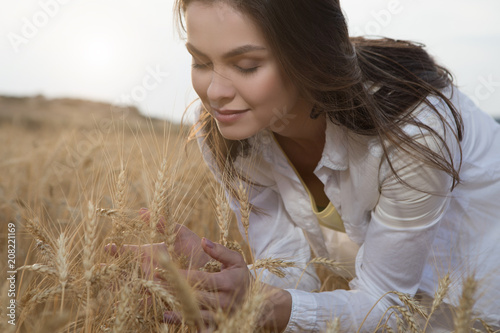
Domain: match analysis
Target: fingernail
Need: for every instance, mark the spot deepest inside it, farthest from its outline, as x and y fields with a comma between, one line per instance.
x=109, y=247
x=209, y=243
x=169, y=318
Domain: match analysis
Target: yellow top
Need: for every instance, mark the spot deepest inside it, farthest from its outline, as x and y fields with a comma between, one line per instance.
x=327, y=217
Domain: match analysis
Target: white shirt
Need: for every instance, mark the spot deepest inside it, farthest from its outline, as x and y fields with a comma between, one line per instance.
x=407, y=239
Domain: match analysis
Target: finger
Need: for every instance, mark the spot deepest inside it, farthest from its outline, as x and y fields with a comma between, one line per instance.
x=128, y=249
x=209, y=300
x=209, y=321
x=202, y=280
x=146, y=215
x=111, y=249
x=172, y=318
x=221, y=253
x=116, y=251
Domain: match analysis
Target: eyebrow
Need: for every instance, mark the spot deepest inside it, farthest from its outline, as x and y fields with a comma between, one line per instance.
x=231, y=54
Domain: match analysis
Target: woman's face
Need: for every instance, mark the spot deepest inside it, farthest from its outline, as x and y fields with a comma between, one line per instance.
x=235, y=74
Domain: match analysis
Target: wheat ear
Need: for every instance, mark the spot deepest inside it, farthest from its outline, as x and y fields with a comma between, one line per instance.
x=90, y=242
x=411, y=303
x=487, y=327
x=119, y=203
x=244, y=207
x=408, y=316
x=43, y=243
x=245, y=213
x=439, y=295
x=160, y=206
x=122, y=316
x=89, y=249
x=275, y=266
x=333, y=326
x=61, y=264
x=463, y=314
x=159, y=291
x=223, y=214
x=191, y=313
x=246, y=319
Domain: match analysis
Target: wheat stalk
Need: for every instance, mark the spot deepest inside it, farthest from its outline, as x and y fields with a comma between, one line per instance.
x=107, y=212
x=463, y=314
x=90, y=242
x=408, y=316
x=388, y=329
x=441, y=292
x=37, y=296
x=89, y=249
x=488, y=328
x=212, y=266
x=333, y=326
x=439, y=295
x=244, y=207
x=61, y=263
x=39, y=268
x=122, y=316
x=246, y=319
x=159, y=291
x=223, y=214
x=245, y=213
x=160, y=206
x=119, y=203
x=43, y=243
x=235, y=246
x=275, y=266
x=411, y=303
x=189, y=306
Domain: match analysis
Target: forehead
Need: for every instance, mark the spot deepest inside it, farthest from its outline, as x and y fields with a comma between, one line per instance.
x=215, y=28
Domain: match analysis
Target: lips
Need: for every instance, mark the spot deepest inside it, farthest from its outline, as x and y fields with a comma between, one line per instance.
x=228, y=112
x=227, y=115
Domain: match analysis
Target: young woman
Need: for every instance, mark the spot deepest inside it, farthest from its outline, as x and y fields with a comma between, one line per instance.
x=353, y=148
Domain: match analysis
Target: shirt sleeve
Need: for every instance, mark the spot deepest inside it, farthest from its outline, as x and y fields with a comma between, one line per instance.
x=272, y=234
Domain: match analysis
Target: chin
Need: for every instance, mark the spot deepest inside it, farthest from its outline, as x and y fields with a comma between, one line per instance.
x=235, y=134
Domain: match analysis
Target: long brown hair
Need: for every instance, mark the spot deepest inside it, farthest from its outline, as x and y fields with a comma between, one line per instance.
x=311, y=42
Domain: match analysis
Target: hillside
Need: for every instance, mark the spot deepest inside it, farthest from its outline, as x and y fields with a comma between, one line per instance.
x=37, y=112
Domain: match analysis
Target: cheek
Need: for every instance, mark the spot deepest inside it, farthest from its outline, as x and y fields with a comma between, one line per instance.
x=200, y=84
x=268, y=90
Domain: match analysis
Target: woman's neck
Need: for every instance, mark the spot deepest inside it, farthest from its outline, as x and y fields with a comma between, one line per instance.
x=302, y=135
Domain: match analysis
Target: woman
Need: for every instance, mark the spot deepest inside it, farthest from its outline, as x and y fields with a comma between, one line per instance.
x=342, y=139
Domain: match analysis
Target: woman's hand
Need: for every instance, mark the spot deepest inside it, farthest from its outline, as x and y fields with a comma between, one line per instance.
x=227, y=290
x=187, y=243
x=224, y=290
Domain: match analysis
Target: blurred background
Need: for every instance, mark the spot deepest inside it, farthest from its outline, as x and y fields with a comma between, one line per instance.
x=127, y=51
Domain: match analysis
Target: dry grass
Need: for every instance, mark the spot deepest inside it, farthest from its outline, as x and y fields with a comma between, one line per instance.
x=73, y=186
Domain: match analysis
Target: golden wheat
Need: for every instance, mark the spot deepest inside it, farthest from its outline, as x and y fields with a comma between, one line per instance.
x=463, y=315
x=64, y=274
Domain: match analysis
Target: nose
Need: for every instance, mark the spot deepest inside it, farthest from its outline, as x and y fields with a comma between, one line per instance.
x=221, y=88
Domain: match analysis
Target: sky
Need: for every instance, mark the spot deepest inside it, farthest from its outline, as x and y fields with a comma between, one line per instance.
x=128, y=52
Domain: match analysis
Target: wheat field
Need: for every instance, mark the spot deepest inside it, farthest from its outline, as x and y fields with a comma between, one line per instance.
x=74, y=176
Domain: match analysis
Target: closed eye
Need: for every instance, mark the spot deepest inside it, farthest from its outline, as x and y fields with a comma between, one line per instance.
x=247, y=70
x=200, y=66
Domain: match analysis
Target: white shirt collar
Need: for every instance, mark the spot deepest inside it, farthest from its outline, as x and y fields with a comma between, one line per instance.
x=334, y=154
